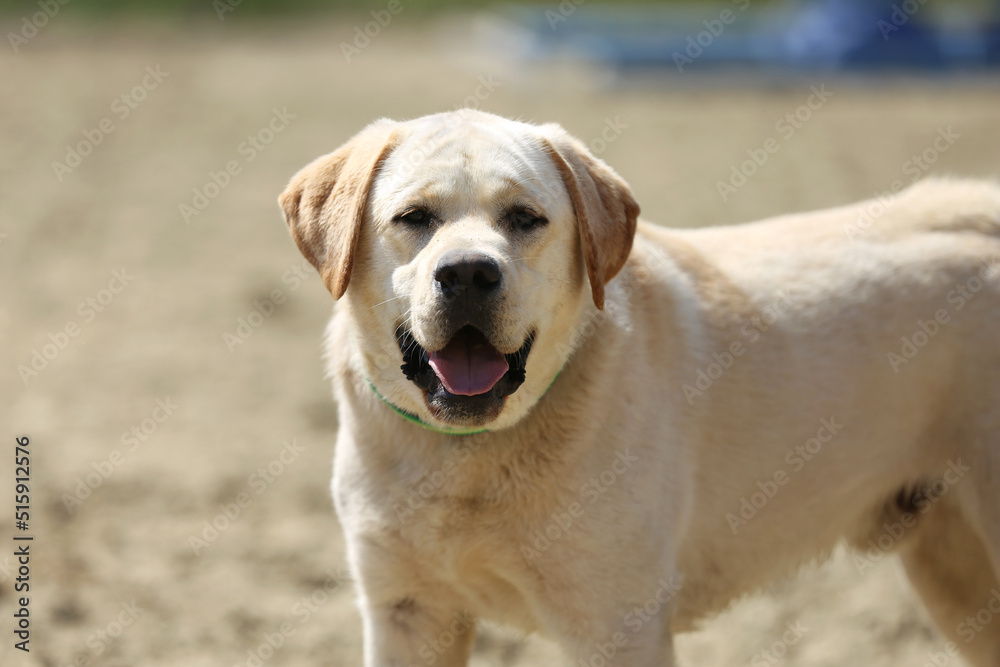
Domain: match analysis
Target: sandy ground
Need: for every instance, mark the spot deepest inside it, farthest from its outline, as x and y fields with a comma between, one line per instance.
x=145, y=424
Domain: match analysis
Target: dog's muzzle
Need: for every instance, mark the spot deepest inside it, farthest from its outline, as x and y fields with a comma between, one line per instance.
x=467, y=380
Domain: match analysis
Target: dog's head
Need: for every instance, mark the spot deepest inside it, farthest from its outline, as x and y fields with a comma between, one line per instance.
x=467, y=242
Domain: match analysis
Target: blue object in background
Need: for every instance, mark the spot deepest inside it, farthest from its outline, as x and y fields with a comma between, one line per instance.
x=809, y=35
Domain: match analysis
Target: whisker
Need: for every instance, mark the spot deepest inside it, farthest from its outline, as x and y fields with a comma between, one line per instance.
x=385, y=302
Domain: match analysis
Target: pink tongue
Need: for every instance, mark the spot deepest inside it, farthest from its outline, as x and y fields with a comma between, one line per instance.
x=468, y=365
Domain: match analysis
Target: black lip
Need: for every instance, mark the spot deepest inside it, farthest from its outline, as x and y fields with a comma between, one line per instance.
x=464, y=410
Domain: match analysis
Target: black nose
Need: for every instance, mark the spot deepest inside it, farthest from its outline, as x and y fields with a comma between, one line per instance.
x=471, y=273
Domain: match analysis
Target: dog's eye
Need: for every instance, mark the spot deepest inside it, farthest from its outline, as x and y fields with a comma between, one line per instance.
x=524, y=219
x=417, y=217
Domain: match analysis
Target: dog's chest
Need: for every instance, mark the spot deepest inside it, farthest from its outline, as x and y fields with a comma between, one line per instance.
x=473, y=541
x=462, y=531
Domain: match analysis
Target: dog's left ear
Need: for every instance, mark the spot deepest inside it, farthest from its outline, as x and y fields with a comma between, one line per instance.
x=605, y=210
x=325, y=202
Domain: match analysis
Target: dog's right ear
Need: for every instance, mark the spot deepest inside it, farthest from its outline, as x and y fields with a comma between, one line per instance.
x=325, y=202
x=606, y=212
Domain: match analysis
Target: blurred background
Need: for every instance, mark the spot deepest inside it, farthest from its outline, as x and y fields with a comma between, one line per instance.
x=160, y=334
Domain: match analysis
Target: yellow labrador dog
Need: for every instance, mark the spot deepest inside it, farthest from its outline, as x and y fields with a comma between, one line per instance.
x=564, y=421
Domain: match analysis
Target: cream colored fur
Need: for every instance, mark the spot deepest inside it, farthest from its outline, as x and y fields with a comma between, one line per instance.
x=745, y=400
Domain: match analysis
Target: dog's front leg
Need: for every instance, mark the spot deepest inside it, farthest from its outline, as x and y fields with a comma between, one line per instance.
x=623, y=623
x=652, y=648
x=407, y=631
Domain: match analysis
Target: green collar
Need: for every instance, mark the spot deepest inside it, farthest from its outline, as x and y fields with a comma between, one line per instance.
x=430, y=427
x=420, y=422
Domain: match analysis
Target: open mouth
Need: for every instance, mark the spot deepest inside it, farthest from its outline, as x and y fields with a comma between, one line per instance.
x=467, y=380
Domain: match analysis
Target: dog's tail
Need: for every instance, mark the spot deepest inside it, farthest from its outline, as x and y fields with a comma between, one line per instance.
x=948, y=205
